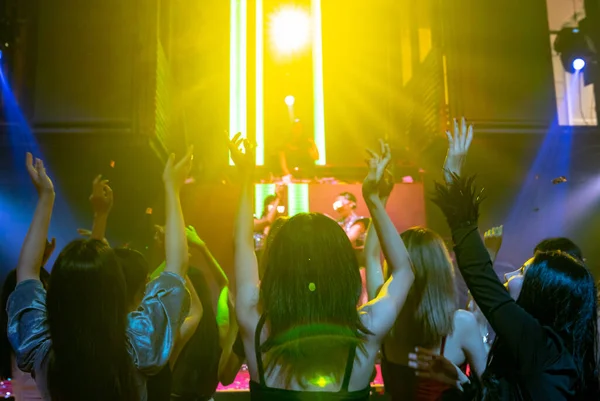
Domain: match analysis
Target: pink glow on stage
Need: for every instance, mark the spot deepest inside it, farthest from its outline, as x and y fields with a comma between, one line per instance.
x=242, y=381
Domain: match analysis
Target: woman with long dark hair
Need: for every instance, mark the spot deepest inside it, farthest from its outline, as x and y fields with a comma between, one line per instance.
x=302, y=331
x=80, y=341
x=546, y=340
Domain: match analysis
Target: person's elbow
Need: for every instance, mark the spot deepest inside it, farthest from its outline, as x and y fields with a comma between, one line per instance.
x=229, y=373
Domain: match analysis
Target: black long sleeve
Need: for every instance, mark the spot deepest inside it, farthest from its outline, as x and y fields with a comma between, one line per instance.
x=531, y=346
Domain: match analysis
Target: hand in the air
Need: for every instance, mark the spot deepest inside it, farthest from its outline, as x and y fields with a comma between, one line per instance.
x=193, y=237
x=48, y=250
x=493, y=239
x=431, y=366
x=176, y=173
x=243, y=158
x=459, y=140
x=102, y=196
x=377, y=166
x=386, y=185
x=37, y=173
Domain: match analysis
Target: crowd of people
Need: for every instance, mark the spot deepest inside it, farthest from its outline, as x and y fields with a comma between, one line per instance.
x=105, y=325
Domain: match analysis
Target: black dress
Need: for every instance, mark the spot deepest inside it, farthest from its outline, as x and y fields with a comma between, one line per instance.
x=196, y=372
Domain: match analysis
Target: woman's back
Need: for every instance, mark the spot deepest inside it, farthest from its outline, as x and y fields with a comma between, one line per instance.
x=350, y=381
x=460, y=347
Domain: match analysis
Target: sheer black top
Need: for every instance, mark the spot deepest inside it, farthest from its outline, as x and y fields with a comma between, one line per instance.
x=529, y=361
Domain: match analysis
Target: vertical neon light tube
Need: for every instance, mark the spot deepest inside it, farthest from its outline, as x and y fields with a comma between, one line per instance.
x=319, y=98
x=237, y=69
x=297, y=199
x=260, y=112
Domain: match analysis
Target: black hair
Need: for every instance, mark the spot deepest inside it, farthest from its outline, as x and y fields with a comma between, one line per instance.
x=135, y=271
x=309, y=293
x=559, y=244
x=349, y=196
x=273, y=230
x=266, y=202
x=560, y=293
x=87, y=318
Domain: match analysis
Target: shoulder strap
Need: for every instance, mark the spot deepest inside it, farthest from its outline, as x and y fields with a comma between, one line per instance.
x=349, y=366
x=443, y=346
x=259, y=362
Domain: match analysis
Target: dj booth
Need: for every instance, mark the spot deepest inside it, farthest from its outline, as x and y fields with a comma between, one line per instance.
x=211, y=209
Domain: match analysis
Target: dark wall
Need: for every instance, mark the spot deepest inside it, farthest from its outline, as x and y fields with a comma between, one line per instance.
x=85, y=56
x=499, y=61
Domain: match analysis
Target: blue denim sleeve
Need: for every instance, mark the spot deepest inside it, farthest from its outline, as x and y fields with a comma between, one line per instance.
x=28, y=330
x=153, y=329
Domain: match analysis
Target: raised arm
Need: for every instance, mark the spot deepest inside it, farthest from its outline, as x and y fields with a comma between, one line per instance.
x=245, y=264
x=176, y=247
x=460, y=203
x=102, y=202
x=189, y=325
x=32, y=251
x=459, y=141
x=374, y=268
x=384, y=309
x=493, y=241
x=196, y=242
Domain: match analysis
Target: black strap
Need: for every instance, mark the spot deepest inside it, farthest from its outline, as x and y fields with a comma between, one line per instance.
x=349, y=366
x=259, y=363
x=443, y=346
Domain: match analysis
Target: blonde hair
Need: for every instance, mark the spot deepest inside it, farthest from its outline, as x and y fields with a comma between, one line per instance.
x=432, y=300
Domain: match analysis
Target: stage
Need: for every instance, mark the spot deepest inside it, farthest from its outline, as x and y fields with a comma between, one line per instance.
x=211, y=209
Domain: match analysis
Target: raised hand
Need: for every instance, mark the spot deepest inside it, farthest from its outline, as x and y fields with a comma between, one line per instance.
x=377, y=163
x=102, y=196
x=48, y=250
x=37, y=173
x=175, y=174
x=493, y=240
x=193, y=238
x=386, y=185
x=243, y=159
x=459, y=140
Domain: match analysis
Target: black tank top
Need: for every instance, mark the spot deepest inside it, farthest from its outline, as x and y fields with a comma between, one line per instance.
x=401, y=383
x=261, y=392
x=196, y=372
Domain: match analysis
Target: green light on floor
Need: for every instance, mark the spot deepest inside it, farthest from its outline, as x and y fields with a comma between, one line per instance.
x=297, y=199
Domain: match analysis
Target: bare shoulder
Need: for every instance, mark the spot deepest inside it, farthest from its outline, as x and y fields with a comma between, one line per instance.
x=464, y=321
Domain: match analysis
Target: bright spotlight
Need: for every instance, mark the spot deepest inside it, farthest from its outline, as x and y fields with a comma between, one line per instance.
x=574, y=48
x=578, y=64
x=290, y=29
x=290, y=100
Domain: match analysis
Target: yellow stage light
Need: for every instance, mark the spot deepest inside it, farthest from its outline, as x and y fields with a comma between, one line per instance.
x=290, y=29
